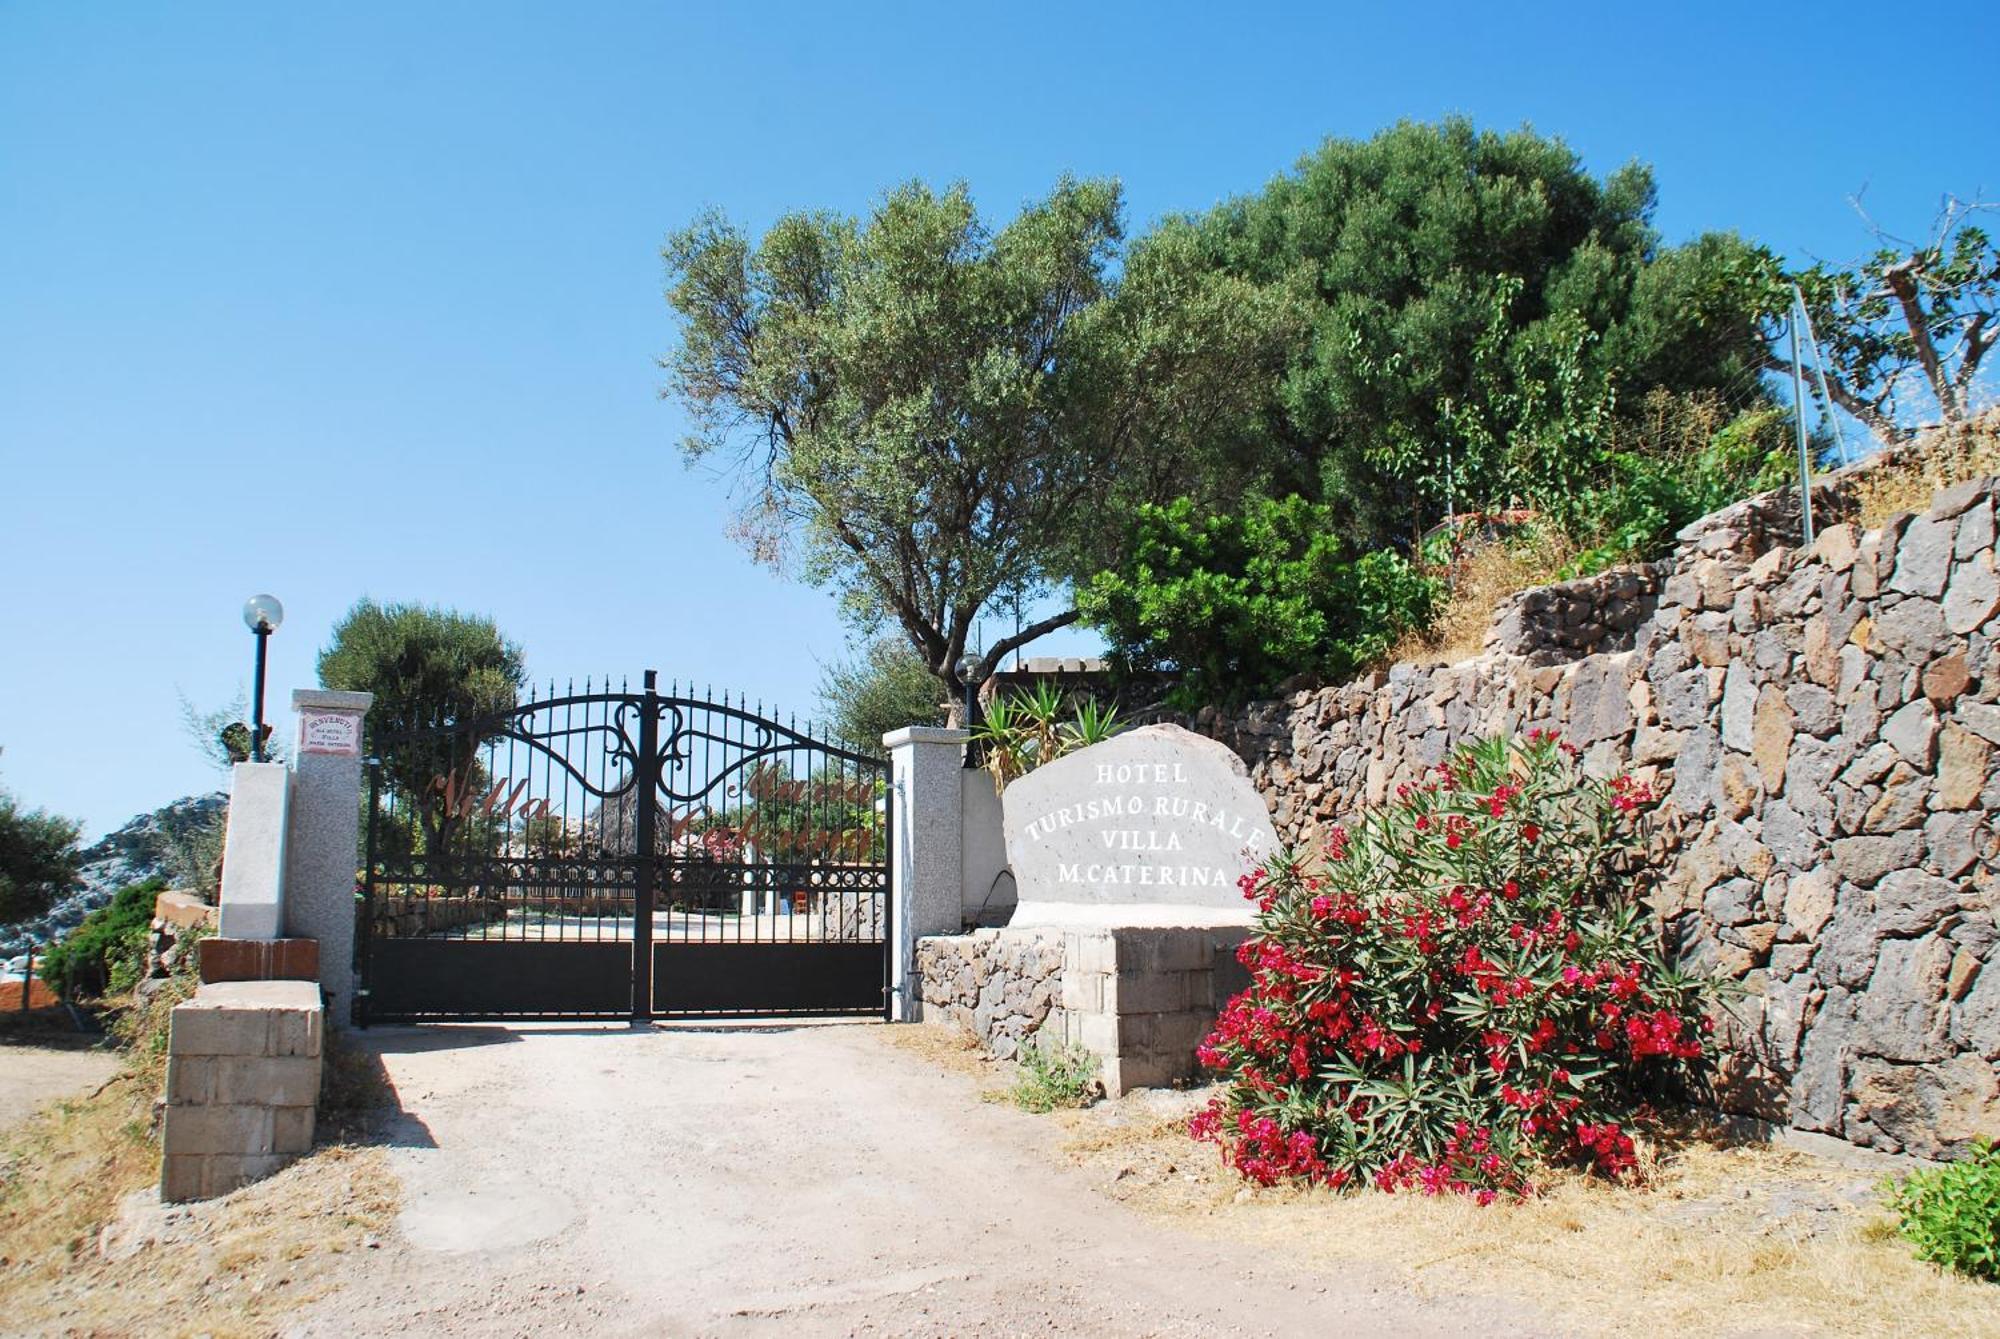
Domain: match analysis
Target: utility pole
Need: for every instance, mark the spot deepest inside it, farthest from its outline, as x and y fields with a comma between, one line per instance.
x=1799, y=413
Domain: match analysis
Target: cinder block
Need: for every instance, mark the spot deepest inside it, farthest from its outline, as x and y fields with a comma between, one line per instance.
x=1090, y=951
x=198, y=1029
x=297, y=1032
x=1083, y=991
x=1097, y=1033
x=292, y=1129
x=238, y=1130
x=190, y=1080
x=1148, y=993
x=183, y=1177
x=267, y=1081
x=1180, y=1033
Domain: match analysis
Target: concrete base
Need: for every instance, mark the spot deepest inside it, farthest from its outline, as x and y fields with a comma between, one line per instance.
x=243, y=1080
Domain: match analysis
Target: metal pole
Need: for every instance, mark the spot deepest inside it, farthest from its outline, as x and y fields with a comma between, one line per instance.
x=647, y=782
x=28, y=978
x=257, y=706
x=1799, y=412
x=1819, y=373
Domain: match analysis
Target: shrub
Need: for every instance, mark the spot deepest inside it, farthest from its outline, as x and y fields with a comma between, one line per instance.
x=1053, y=1077
x=1236, y=603
x=1028, y=729
x=109, y=948
x=1952, y=1213
x=1466, y=989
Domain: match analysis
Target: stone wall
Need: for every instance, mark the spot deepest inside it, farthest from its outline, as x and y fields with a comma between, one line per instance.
x=1552, y=624
x=997, y=985
x=1822, y=728
x=1139, y=998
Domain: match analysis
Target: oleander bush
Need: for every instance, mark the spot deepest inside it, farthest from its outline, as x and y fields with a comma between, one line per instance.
x=1952, y=1213
x=1463, y=991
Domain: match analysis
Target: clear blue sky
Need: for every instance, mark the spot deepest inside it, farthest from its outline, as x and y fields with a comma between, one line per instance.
x=333, y=300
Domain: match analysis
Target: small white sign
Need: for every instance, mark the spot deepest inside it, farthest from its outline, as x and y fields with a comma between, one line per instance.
x=332, y=732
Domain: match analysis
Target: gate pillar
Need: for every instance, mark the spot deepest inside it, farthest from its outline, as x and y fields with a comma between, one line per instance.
x=926, y=875
x=325, y=846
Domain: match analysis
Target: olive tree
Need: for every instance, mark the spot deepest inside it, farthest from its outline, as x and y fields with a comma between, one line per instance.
x=934, y=414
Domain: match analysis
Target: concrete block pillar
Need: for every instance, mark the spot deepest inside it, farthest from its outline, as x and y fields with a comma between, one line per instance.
x=325, y=847
x=254, y=851
x=926, y=880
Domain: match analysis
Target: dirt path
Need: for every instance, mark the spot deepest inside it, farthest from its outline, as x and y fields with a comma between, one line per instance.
x=33, y=1076
x=771, y=1180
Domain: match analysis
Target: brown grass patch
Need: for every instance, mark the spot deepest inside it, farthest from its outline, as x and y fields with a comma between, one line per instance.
x=86, y=1248
x=1913, y=475
x=1488, y=573
x=1749, y=1237
x=945, y=1045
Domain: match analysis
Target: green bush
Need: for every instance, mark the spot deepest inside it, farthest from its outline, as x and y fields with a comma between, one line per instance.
x=38, y=859
x=108, y=951
x=1237, y=603
x=1952, y=1213
x=1053, y=1077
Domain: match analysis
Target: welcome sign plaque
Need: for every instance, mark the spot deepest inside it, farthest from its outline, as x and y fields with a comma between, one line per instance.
x=1152, y=827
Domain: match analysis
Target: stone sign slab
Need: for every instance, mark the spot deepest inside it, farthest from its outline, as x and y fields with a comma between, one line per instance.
x=336, y=733
x=1152, y=827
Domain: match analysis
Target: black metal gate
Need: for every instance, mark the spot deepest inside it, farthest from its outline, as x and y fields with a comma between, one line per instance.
x=603, y=855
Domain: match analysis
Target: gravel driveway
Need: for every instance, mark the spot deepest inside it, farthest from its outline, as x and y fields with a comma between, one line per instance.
x=794, y=1180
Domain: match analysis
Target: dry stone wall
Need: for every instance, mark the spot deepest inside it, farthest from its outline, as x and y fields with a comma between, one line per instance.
x=1822, y=726
x=997, y=985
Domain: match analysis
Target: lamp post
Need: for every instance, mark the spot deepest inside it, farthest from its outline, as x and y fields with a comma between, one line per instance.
x=970, y=718
x=261, y=614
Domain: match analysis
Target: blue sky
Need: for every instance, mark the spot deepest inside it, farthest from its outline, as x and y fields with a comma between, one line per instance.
x=365, y=299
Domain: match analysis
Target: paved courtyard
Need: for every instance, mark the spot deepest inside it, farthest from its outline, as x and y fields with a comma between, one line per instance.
x=796, y=1180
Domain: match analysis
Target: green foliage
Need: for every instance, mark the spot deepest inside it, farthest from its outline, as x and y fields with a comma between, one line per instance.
x=109, y=947
x=1654, y=489
x=1028, y=729
x=426, y=667
x=1054, y=1077
x=38, y=859
x=191, y=847
x=1952, y=1213
x=1468, y=988
x=1237, y=602
x=938, y=413
x=883, y=688
x=1478, y=304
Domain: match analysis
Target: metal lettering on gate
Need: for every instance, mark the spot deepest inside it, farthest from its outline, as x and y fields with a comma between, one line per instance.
x=603, y=855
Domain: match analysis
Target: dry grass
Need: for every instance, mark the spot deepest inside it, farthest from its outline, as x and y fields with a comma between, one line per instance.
x=86, y=1248
x=948, y=1047
x=1913, y=475
x=1488, y=573
x=1747, y=1238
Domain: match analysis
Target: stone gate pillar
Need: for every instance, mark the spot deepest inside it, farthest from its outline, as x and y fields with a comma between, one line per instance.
x=324, y=852
x=927, y=875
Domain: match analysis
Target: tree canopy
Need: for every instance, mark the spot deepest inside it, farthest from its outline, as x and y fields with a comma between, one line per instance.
x=1476, y=302
x=38, y=859
x=937, y=414
x=883, y=687
x=426, y=667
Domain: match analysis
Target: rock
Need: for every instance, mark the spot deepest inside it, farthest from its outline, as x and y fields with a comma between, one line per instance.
x=1981, y=718
x=1975, y=532
x=1945, y=678
x=1957, y=499
x=1813, y=708
x=1809, y=902
x=1864, y=860
x=1836, y=547
x=1771, y=737
x=1914, y=629
x=1903, y=1014
x=1901, y=804
x=1739, y=706
x=1822, y=652
x=1963, y=763
x=1923, y=558
x=1974, y=595
x=1683, y=699
x=1912, y=732
x=1694, y=790
x=1952, y=842
x=1931, y=1111
x=1819, y=1086
x=1732, y=902
x=1964, y=970
x=1909, y=901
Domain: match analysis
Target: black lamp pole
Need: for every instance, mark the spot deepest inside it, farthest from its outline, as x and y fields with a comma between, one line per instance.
x=261, y=614
x=263, y=633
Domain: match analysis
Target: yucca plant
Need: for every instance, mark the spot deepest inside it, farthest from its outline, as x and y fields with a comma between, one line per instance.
x=1027, y=729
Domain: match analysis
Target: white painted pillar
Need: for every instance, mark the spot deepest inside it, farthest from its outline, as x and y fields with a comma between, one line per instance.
x=253, y=851
x=326, y=836
x=926, y=878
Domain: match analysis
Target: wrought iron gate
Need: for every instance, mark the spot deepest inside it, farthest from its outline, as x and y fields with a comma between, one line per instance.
x=604, y=855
